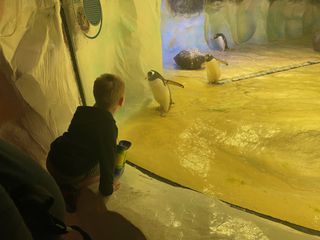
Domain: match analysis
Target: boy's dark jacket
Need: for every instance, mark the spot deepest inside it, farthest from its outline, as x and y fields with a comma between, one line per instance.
x=90, y=140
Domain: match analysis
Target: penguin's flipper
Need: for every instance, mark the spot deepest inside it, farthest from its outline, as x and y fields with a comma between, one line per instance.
x=174, y=83
x=164, y=81
x=222, y=61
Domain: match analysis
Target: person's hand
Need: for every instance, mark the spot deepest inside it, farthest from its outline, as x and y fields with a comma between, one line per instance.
x=116, y=186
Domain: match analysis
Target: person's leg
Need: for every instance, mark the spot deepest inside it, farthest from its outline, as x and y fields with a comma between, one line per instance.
x=69, y=186
x=101, y=223
x=11, y=222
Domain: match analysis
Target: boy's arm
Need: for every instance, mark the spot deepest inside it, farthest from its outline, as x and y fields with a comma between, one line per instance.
x=108, y=152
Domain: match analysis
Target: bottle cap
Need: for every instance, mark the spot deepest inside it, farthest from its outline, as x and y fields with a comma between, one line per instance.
x=124, y=145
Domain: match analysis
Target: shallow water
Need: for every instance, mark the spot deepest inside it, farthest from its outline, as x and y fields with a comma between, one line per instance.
x=253, y=143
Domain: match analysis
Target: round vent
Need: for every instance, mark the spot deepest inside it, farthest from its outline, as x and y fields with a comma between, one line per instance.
x=92, y=10
x=88, y=14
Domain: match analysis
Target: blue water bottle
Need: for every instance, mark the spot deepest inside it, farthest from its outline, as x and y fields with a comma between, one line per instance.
x=121, y=154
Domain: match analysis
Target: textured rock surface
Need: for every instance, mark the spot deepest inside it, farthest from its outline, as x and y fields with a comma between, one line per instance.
x=190, y=59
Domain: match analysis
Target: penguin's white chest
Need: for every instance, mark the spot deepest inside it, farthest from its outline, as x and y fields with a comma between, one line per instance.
x=220, y=43
x=161, y=93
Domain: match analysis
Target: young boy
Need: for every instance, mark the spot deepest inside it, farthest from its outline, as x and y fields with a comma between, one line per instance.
x=88, y=149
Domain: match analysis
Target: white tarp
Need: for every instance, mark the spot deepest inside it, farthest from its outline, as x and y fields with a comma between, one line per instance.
x=32, y=40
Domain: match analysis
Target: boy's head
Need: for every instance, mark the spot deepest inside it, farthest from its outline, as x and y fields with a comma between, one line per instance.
x=108, y=91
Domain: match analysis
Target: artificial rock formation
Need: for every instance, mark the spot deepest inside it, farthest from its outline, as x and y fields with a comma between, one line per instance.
x=243, y=21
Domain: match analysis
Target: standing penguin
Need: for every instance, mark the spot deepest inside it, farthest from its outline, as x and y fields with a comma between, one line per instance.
x=161, y=91
x=221, y=41
x=213, y=69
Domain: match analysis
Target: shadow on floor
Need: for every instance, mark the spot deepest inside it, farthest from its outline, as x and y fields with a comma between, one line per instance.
x=93, y=217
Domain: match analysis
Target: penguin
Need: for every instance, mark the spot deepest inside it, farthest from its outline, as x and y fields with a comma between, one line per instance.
x=221, y=41
x=161, y=91
x=213, y=69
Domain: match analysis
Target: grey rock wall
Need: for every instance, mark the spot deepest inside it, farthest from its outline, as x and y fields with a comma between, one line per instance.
x=259, y=21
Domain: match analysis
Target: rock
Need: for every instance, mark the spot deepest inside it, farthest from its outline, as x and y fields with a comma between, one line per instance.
x=316, y=41
x=191, y=59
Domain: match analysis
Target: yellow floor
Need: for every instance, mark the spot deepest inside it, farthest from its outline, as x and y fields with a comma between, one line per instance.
x=254, y=143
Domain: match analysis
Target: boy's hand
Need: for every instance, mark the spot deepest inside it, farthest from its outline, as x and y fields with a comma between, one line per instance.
x=116, y=186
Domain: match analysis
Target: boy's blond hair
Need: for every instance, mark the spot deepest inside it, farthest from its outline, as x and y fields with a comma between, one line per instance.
x=107, y=90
